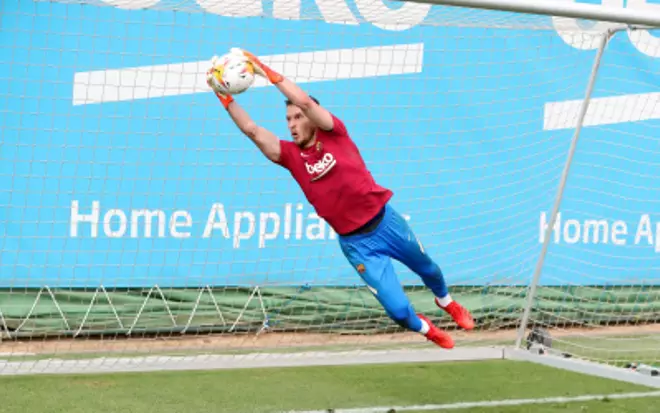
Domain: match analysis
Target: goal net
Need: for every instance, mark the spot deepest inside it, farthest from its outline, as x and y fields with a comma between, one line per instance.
x=136, y=220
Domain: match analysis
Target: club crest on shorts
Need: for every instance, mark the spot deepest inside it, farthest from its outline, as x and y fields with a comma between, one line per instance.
x=360, y=268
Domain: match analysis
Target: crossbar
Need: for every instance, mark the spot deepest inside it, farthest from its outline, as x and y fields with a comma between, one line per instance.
x=569, y=9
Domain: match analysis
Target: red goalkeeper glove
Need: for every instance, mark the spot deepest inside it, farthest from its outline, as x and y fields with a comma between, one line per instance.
x=259, y=67
x=222, y=94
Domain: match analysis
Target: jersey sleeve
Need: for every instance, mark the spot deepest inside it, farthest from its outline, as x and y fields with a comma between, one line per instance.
x=285, y=153
x=338, y=127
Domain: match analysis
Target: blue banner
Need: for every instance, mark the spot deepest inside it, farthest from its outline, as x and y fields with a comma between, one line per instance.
x=119, y=168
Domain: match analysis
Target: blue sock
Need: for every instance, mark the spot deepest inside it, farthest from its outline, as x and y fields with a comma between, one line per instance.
x=407, y=318
x=435, y=281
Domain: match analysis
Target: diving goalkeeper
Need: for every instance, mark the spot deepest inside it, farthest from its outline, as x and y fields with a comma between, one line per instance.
x=328, y=167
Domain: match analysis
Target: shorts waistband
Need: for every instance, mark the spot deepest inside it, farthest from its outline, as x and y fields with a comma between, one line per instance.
x=371, y=225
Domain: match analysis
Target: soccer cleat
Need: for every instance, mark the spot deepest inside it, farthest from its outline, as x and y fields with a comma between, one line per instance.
x=460, y=314
x=436, y=335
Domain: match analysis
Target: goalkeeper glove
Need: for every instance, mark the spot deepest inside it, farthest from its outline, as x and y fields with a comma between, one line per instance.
x=218, y=88
x=259, y=67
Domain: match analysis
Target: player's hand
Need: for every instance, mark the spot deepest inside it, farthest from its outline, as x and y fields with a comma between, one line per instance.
x=218, y=88
x=212, y=81
x=259, y=67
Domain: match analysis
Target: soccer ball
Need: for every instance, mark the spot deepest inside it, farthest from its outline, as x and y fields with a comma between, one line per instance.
x=234, y=73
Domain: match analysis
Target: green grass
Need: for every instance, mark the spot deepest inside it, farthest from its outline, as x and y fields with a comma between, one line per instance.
x=313, y=388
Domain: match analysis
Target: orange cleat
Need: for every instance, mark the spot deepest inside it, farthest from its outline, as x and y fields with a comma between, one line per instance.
x=438, y=336
x=460, y=314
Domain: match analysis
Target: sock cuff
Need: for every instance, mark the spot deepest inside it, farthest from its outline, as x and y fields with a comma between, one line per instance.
x=444, y=301
x=425, y=327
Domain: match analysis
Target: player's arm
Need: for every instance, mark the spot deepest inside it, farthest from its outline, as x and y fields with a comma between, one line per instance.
x=266, y=141
x=315, y=112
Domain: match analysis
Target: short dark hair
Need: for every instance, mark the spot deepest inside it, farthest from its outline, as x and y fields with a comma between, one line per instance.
x=288, y=102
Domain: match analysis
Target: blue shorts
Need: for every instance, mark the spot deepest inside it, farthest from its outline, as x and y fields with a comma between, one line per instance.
x=371, y=256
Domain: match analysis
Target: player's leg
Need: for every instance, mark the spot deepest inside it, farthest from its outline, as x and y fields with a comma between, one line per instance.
x=406, y=248
x=378, y=273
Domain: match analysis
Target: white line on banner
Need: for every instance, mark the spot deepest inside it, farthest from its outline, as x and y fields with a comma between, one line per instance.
x=148, y=82
x=602, y=111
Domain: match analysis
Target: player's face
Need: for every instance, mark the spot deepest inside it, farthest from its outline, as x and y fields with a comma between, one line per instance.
x=301, y=128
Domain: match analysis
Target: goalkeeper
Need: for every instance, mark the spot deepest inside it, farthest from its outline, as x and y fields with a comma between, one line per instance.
x=328, y=167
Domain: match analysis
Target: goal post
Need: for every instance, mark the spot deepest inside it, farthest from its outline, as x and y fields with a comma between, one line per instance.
x=547, y=235
x=562, y=10
x=135, y=219
x=625, y=348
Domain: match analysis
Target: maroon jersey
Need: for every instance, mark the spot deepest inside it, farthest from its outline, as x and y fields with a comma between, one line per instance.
x=335, y=179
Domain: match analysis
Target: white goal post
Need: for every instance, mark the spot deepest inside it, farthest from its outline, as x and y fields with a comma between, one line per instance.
x=539, y=347
x=561, y=9
x=520, y=139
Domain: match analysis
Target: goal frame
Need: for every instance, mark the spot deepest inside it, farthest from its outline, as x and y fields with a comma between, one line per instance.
x=629, y=19
x=566, y=9
x=626, y=19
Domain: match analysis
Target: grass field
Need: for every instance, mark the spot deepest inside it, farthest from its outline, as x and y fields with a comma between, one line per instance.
x=433, y=387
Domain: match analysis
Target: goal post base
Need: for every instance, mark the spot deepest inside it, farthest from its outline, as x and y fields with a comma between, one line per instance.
x=319, y=358
x=247, y=360
x=583, y=366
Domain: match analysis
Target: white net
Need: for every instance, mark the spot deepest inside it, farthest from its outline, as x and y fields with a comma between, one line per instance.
x=136, y=219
